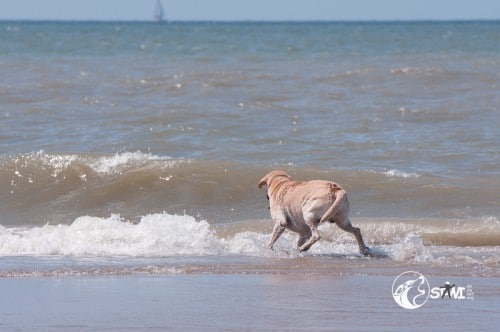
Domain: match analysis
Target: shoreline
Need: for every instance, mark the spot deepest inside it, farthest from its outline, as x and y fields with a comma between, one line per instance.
x=278, y=262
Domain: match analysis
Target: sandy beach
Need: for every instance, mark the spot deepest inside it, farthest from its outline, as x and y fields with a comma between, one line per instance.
x=289, y=296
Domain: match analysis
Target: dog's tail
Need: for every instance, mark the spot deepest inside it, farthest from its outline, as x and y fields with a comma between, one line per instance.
x=339, y=203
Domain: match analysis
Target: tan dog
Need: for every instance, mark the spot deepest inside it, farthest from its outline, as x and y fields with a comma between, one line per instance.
x=301, y=206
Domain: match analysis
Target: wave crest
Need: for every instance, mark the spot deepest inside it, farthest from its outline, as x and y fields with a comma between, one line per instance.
x=40, y=188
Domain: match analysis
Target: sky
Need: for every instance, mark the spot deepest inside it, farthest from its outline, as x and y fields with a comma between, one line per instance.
x=250, y=10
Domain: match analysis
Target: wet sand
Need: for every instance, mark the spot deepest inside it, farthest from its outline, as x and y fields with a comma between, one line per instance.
x=353, y=301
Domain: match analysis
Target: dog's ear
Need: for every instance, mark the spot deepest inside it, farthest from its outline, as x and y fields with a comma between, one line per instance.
x=263, y=182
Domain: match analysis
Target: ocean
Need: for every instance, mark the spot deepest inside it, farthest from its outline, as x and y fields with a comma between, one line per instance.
x=134, y=149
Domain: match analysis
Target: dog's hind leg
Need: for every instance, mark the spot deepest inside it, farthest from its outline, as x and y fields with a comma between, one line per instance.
x=345, y=224
x=279, y=228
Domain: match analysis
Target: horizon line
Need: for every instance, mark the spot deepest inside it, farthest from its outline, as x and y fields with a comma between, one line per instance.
x=167, y=21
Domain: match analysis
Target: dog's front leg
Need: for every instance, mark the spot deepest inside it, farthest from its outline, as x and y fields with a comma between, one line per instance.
x=279, y=228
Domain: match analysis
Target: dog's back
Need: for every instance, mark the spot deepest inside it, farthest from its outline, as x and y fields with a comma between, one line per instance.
x=310, y=197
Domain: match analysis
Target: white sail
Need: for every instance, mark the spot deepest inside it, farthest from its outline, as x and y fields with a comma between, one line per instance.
x=159, y=12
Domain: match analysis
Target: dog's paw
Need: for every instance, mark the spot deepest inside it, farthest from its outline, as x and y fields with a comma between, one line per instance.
x=366, y=251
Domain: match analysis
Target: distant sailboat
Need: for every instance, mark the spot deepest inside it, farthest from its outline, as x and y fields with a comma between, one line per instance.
x=159, y=12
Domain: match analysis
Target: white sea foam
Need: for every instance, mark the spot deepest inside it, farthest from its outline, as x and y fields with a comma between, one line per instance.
x=166, y=235
x=410, y=249
x=116, y=163
x=400, y=174
x=57, y=163
x=155, y=235
x=109, y=164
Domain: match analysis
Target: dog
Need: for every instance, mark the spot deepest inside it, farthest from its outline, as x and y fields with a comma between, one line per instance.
x=301, y=206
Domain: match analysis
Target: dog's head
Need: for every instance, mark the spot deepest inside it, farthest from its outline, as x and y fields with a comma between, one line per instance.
x=270, y=177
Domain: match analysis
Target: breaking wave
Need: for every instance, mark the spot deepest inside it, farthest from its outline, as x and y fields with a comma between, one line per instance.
x=164, y=235
x=40, y=188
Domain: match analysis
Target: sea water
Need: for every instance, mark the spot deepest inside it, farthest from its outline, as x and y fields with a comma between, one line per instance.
x=137, y=148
